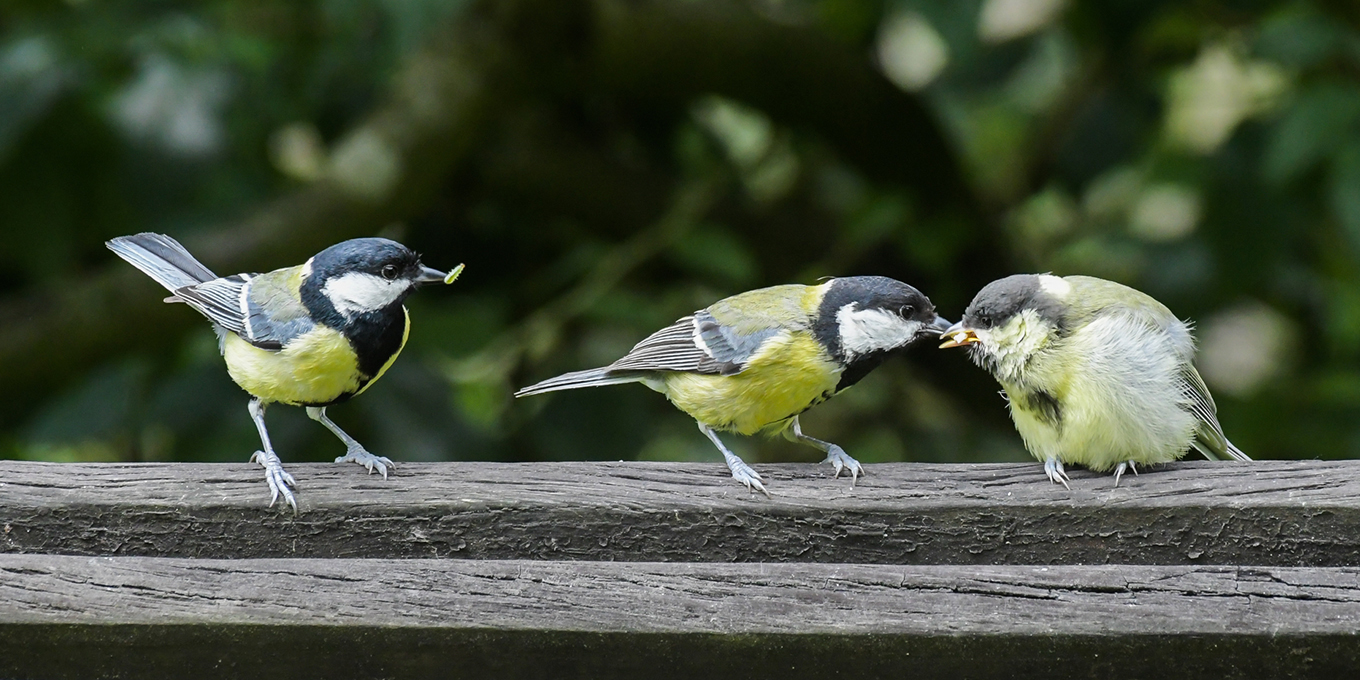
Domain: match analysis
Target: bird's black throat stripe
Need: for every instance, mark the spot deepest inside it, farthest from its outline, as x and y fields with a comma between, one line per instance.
x=857, y=369
x=375, y=336
x=1043, y=405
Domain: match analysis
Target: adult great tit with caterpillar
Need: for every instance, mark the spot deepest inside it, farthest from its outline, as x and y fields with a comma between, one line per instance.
x=753, y=362
x=1096, y=373
x=312, y=335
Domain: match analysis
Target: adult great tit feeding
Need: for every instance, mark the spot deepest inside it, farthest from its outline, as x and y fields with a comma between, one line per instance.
x=753, y=362
x=311, y=335
x=1096, y=373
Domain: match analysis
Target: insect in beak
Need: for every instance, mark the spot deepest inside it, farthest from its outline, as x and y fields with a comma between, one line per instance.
x=958, y=336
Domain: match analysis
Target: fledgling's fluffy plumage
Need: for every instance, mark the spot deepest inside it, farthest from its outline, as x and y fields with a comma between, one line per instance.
x=312, y=335
x=1096, y=373
x=753, y=362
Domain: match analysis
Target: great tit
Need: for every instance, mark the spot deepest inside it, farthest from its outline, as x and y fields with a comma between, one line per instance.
x=1096, y=373
x=312, y=335
x=753, y=362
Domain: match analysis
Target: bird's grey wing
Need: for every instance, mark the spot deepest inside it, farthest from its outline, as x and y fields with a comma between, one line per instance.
x=1209, y=437
x=698, y=344
x=276, y=313
x=728, y=345
x=221, y=300
x=255, y=307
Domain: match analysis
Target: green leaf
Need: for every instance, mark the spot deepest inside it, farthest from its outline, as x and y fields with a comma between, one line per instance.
x=1309, y=130
x=1345, y=188
x=712, y=251
x=1300, y=37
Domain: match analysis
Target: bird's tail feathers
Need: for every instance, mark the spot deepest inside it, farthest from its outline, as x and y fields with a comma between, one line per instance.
x=1211, y=450
x=162, y=258
x=1235, y=453
x=570, y=381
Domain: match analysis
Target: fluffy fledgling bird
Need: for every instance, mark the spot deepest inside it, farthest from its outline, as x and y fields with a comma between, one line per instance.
x=1096, y=373
x=753, y=362
x=312, y=335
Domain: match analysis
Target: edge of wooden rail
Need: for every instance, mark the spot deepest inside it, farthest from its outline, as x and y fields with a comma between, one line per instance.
x=1301, y=513
x=89, y=617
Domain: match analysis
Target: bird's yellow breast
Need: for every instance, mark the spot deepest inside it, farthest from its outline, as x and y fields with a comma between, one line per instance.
x=789, y=374
x=314, y=368
x=1116, y=394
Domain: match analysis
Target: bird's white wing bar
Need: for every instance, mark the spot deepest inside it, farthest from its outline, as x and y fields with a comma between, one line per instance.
x=676, y=347
x=220, y=301
x=673, y=348
x=697, y=344
x=244, y=302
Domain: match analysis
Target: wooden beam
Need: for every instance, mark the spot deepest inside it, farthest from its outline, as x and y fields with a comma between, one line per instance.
x=67, y=616
x=1277, y=513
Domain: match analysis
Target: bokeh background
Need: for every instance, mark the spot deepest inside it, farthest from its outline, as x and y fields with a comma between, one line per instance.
x=606, y=166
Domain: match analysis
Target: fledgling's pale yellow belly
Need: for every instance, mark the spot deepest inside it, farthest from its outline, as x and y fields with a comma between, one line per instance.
x=317, y=367
x=1100, y=436
x=790, y=374
x=1105, y=421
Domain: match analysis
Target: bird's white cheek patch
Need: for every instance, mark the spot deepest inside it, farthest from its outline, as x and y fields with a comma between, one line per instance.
x=1012, y=345
x=870, y=330
x=356, y=292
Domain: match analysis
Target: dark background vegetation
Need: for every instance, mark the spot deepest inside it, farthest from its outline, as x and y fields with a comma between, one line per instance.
x=604, y=167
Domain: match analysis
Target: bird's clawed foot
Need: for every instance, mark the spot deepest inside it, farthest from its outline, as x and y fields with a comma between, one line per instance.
x=280, y=482
x=842, y=461
x=1123, y=467
x=744, y=474
x=1056, y=474
x=368, y=460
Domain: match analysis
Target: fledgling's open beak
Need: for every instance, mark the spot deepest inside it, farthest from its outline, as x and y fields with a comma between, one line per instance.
x=958, y=336
x=431, y=275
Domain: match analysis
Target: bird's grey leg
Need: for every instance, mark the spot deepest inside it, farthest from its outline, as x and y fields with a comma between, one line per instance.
x=834, y=454
x=1056, y=474
x=1125, y=466
x=279, y=480
x=354, y=451
x=740, y=470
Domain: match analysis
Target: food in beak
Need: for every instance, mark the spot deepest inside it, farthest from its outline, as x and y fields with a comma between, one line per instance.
x=431, y=275
x=453, y=274
x=959, y=338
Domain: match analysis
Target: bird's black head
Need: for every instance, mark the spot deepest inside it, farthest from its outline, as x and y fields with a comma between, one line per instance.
x=863, y=317
x=995, y=305
x=366, y=275
x=378, y=257
x=1011, y=321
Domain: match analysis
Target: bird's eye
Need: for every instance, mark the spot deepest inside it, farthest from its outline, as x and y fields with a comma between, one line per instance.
x=389, y=272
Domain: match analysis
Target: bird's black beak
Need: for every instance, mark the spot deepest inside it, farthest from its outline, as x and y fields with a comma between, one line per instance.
x=939, y=325
x=430, y=275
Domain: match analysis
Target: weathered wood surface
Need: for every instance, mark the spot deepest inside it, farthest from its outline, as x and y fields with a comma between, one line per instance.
x=1273, y=513
x=134, y=617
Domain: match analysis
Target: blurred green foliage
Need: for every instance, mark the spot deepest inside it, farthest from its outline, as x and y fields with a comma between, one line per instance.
x=639, y=160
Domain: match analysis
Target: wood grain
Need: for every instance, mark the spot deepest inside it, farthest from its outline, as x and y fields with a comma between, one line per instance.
x=463, y=618
x=1273, y=513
